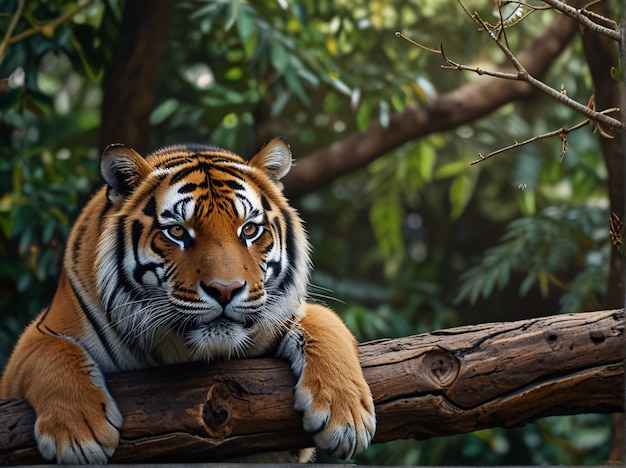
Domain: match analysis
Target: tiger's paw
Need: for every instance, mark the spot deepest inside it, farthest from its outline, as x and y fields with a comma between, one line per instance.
x=79, y=435
x=338, y=411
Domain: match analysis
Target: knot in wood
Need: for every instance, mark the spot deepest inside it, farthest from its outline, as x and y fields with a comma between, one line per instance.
x=441, y=366
x=217, y=410
x=597, y=336
x=553, y=340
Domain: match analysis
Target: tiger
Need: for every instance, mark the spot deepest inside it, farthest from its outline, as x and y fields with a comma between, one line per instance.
x=189, y=254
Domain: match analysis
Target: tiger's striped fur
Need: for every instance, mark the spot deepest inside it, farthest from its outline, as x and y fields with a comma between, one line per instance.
x=189, y=254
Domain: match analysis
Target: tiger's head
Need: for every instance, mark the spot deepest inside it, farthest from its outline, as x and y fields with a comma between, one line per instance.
x=201, y=255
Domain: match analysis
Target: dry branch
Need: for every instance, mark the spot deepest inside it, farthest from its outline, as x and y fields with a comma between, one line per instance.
x=446, y=382
x=562, y=132
x=586, y=19
x=521, y=74
x=447, y=111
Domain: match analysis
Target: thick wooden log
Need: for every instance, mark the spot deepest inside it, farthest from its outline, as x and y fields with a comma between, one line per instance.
x=442, y=383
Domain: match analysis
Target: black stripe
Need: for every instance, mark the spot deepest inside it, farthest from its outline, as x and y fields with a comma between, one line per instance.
x=44, y=313
x=119, y=247
x=291, y=250
x=77, y=245
x=140, y=268
x=188, y=187
x=232, y=172
x=266, y=204
x=94, y=324
x=277, y=267
x=150, y=208
x=183, y=172
x=234, y=185
x=179, y=208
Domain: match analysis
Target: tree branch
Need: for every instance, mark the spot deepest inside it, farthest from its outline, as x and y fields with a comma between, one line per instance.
x=578, y=14
x=448, y=111
x=50, y=26
x=7, y=36
x=446, y=382
x=562, y=132
x=523, y=75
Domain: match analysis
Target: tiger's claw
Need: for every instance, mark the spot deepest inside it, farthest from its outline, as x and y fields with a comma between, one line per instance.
x=79, y=435
x=340, y=416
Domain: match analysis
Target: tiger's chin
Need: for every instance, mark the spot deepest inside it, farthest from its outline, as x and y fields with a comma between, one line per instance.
x=220, y=339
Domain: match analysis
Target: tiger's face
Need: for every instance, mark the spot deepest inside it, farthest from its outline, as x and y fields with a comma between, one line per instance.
x=203, y=256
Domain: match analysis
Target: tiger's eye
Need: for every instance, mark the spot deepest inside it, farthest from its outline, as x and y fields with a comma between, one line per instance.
x=249, y=230
x=177, y=232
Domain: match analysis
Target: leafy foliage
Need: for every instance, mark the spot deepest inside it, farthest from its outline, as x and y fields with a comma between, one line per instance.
x=547, y=247
x=48, y=163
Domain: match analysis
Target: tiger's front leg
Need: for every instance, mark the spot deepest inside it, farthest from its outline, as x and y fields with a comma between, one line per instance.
x=77, y=420
x=331, y=393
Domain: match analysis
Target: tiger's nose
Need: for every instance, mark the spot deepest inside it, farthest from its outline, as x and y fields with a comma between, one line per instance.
x=223, y=293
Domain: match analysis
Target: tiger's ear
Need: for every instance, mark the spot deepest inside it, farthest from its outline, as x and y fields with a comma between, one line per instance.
x=122, y=169
x=274, y=159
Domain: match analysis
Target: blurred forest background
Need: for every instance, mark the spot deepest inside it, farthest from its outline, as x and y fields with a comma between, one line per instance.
x=408, y=237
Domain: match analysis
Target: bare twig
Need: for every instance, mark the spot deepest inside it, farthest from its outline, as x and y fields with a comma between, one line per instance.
x=37, y=28
x=588, y=19
x=7, y=37
x=584, y=18
x=561, y=132
x=521, y=75
x=479, y=71
x=417, y=44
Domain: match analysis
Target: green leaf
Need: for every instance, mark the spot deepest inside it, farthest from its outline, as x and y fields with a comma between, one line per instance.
x=461, y=191
x=279, y=57
x=364, y=115
x=163, y=111
x=308, y=77
x=340, y=86
x=386, y=216
x=232, y=12
x=209, y=10
x=528, y=283
x=246, y=26
x=295, y=85
x=250, y=46
x=427, y=157
x=527, y=199
x=397, y=102
x=234, y=74
x=451, y=169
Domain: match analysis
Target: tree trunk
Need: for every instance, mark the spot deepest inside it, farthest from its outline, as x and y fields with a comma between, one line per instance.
x=130, y=79
x=446, y=382
x=601, y=55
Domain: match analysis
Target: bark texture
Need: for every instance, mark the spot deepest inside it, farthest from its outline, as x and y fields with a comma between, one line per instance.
x=442, y=383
